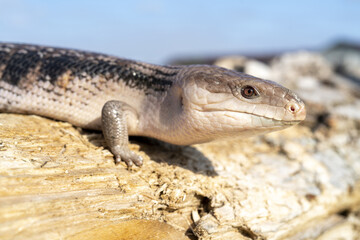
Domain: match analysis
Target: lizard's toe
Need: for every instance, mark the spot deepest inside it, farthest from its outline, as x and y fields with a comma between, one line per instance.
x=128, y=156
x=136, y=159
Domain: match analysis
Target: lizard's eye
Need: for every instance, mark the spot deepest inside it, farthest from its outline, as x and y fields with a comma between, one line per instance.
x=249, y=92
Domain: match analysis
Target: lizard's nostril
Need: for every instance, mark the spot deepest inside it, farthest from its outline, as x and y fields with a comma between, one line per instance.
x=293, y=107
x=297, y=109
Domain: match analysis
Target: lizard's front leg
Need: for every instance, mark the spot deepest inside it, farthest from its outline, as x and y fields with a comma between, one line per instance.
x=114, y=127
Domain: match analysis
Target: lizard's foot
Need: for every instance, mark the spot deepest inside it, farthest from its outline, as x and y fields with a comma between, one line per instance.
x=126, y=155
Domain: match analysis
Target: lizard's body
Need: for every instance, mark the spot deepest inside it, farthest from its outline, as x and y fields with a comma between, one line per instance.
x=178, y=104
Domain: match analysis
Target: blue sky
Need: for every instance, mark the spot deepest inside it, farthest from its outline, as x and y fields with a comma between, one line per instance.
x=158, y=30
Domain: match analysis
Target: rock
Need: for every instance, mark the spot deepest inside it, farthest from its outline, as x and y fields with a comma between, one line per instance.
x=291, y=67
x=350, y=110
x=243, y=64
x=232, y=62
x=258, y=69
x=345, y=58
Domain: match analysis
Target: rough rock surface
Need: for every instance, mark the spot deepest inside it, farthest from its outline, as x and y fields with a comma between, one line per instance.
x=345, y=58
x=58, y=182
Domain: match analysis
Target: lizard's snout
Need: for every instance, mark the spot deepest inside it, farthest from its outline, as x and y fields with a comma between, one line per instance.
x=297, y=110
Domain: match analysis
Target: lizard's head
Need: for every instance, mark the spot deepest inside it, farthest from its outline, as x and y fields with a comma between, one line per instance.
x=219, y=103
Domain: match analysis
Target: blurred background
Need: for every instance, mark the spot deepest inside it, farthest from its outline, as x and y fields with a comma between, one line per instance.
x=160, y=31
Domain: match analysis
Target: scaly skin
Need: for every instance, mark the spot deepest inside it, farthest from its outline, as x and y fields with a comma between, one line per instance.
x=177, y=104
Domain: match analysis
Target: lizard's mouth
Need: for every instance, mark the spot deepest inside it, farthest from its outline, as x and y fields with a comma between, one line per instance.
x=264, y=118
x=262, y=121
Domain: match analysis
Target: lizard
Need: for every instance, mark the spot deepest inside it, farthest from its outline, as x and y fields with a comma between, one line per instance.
x=181, y=105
